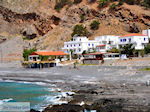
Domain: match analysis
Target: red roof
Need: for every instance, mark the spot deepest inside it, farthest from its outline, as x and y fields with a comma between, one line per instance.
x=133, y=34
x=101, y=45
x=95, y=53
x=49, y=53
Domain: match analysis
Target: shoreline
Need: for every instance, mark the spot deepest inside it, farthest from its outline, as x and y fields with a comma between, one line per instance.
x=94, y=86
x=63, y=98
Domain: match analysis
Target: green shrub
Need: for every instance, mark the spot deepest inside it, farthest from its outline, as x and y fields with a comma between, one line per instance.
x=44, y=58
x=60, y=4
x=80, y=30
x=114, y=50
x=120, y=3
x=103, y=3
x=130, y=2
x=147, y=49
x=82, y=18
x=128, y=49
x=146, y=3
x=113, y=6
x=27, y=52
x=94, y=25
x=77, y=1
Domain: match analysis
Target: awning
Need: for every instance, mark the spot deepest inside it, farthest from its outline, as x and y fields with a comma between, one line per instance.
x=49, y=53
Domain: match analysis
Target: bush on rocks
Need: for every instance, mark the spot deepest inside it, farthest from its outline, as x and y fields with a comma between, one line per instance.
x=80, y=30
x=94, y=25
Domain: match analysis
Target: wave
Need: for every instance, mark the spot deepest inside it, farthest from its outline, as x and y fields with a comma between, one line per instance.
x=5, y=100
x=29, y=82
x=46, y=100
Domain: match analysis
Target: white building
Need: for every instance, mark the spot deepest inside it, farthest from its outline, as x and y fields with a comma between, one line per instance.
x=106, y=43
x=146, y=32
x=138, y=40
x=80, y=44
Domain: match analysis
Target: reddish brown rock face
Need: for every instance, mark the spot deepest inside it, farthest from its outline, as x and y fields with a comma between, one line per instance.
x=36, y=19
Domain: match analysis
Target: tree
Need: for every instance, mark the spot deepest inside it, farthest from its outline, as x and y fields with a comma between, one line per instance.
x=84, y=52
x=147, y=49
x=27, y=52
x=80, y=30
x=114, y=50
x=94, y=25
x=128, y=49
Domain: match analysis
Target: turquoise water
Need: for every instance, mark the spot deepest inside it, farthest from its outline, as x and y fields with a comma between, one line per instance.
x=39, y=96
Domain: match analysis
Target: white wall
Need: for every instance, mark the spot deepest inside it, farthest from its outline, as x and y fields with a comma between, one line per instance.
x=109, y=40
x=82, y=43
x=146, y=32
x=138, y=41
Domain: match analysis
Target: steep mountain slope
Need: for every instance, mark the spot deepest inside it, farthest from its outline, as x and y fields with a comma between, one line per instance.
x=48, y=29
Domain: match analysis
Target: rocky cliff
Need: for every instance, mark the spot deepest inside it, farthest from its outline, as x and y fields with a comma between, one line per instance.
x=44, y=27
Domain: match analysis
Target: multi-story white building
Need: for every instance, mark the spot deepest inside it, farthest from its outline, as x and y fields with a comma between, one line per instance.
x=146, y=32
x=80, y=44
x=138, y=40
x=106, y=42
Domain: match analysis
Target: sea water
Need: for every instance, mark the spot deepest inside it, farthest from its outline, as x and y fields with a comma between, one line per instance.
x=39, y=96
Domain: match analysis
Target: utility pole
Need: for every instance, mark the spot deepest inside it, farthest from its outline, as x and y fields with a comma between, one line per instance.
x=70, y=55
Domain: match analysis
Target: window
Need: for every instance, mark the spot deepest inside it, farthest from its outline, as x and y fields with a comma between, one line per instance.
x=74, y=45
x=67, y=45
x=80, y=39
x=79, y=45
x=89, y=44
x=79, y=49
x=71, y=45
x=124, y=40
x=129, y=39
x=144, y=39
x=92, y=44
x=120, y=40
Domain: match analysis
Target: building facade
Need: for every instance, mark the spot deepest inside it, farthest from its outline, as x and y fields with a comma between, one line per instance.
x=139, y=41
x=106, y=43
x=80, y=44
x=146, y=32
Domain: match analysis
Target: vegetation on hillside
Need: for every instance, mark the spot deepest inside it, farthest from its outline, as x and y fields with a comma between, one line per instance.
x=80, y=30
x=77, y=1
x=61, y=3
x=103, y=3
x=94, y=25
x=27, y=52
x=146, y=3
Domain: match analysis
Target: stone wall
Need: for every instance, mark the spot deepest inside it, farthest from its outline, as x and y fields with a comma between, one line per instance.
x=95, y=62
